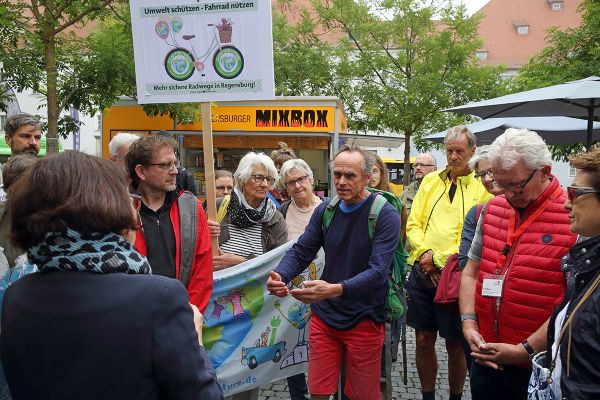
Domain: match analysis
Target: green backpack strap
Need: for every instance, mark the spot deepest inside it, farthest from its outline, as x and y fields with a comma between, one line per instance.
x=328, y=213
x=376, y=207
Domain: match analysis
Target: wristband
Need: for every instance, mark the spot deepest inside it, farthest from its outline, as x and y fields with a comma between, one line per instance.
x=464, y=317
x=528, y=348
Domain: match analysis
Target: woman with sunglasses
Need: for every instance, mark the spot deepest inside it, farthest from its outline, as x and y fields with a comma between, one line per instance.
x=93, y=323
x=250, y=222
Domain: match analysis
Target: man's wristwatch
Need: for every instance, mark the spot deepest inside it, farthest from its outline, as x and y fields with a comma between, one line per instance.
x=464, y=317
x=528, y=348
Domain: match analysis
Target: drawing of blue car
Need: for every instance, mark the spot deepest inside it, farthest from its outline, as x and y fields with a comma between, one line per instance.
x=253, y=356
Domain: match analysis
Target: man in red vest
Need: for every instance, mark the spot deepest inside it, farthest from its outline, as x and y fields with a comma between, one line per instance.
x=513, y=278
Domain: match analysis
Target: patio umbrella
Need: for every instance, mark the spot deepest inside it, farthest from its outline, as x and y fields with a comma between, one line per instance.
x=554, y=130
x=572, y=99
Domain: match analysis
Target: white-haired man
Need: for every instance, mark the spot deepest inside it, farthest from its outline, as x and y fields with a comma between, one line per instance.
x=119, y=146
x=513, y=278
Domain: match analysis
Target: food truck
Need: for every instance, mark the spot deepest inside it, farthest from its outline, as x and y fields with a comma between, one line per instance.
x=312, y=126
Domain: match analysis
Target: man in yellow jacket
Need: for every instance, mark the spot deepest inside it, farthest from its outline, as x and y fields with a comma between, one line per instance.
x=434, y=229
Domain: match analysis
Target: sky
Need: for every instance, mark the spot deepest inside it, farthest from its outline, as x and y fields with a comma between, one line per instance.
x=473, y=5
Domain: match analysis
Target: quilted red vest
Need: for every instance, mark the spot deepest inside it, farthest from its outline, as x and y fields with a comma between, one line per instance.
x=534, y=283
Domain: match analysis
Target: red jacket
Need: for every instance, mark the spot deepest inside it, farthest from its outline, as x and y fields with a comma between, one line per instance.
x=534, y=283
x=201, y=279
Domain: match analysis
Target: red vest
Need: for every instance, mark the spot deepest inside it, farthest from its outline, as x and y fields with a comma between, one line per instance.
x=533, y=281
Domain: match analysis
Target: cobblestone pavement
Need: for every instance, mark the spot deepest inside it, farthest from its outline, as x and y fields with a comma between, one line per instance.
x=278, y=390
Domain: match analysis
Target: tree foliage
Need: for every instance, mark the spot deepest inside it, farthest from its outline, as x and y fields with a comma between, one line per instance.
x=401, y=66
x=572, y=54
x=52, y=54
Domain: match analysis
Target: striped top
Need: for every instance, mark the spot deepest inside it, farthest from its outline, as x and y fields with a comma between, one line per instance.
x=244, y=242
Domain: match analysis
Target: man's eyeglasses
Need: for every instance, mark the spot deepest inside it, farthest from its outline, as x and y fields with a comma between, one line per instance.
x=516, y=187
x=574, y=192
x=417, y=165
x=260, y=179
x=300, y=181
x=136, y=202
x=166, y=166
x=482, y=174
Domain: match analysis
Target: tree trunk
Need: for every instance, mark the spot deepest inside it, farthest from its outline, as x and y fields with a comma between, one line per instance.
x=406, y=178
x=51, y=91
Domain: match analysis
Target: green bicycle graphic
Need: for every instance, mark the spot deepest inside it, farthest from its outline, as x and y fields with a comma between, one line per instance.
x=227, y=60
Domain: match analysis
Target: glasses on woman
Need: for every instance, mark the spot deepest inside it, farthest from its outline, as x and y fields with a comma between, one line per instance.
x=575, y=191
x=260, y=179
x=300, y=181
x=482, y=174
x=136, y=202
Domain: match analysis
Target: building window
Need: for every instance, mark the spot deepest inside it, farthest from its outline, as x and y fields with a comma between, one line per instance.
x=572, y=172
x=99, y=116
x=2, y=122
x=522, y=27
x=556, y=5
x=481, y=54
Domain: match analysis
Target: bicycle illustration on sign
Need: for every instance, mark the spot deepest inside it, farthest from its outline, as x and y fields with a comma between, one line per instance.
x=180, y=62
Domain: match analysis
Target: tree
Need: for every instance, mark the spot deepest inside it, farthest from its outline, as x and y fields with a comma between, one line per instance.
x=302, y=59
x=401, y=67
x=572, y=54
x=50, y=55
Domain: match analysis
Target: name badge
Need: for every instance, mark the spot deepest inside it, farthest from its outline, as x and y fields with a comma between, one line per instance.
x=492, y=287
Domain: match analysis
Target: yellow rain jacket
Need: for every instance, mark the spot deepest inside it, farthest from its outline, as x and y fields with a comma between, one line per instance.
x=434, y=222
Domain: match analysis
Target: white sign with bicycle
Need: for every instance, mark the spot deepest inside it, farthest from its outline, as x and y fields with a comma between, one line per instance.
x=200, y=51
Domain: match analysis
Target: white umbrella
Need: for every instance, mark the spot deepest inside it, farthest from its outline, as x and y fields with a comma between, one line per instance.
x=573, y=99
x=554, y=130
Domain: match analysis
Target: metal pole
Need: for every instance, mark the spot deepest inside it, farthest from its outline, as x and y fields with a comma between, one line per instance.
x=590, y=125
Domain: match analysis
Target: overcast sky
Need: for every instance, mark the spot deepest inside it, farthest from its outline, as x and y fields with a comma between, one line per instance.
x=473, y=5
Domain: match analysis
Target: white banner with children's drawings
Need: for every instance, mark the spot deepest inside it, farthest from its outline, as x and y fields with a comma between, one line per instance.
x=202, y=51
x=253, y=338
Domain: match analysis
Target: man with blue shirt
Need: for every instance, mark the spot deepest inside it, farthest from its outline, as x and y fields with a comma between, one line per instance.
x=348, y=301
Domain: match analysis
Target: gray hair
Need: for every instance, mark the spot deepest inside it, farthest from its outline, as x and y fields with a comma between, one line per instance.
x=455, y=133
x=295, y=164
x=223, y=173
x=369, y=160
x=430, y=156
x=520, y=144
x=482, y=154
x=119, y=140
x=247, y=164
x=15, y=122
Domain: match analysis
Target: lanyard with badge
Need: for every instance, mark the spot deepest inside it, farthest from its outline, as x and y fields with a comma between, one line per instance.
x=492, y=286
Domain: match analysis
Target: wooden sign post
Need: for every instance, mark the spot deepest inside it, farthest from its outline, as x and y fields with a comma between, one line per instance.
x=209, y=169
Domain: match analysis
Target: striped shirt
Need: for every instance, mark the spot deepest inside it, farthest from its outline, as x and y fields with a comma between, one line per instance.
x=244, y=242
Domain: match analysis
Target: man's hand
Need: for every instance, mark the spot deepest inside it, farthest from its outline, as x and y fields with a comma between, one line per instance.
x=477, y=344
x=315, y=291
x=214, y=228
x=502, y=353
x=276, y=287
x=197, y=322
x=226, y=260
x=435, y=276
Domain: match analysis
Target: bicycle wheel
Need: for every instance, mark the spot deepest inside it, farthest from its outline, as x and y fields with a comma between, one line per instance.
x=228, y=62
x=179, y=64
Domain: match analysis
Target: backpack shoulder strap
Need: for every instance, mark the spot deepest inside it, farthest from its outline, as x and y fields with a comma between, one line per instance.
x=376, y=207
x=328, y=213
x=284, y=207
x=187, y=205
